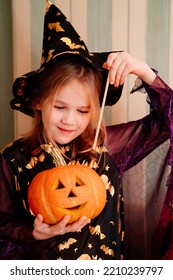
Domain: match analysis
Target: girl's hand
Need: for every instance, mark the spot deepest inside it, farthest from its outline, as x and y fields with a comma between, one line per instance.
x=44, y=231
x=121, y=64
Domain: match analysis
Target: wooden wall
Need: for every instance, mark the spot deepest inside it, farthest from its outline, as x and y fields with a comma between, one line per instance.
x=142, y=27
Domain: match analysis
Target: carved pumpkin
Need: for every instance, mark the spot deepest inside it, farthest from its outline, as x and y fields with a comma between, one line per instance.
x=74, y=190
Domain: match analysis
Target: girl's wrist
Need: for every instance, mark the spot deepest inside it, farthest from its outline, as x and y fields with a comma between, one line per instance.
x=148, y=76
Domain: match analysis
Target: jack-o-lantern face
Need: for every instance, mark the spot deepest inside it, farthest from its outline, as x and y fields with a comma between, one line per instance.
x=74, y=190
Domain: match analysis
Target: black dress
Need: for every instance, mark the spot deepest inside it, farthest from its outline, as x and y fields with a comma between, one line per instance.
x=103, y=238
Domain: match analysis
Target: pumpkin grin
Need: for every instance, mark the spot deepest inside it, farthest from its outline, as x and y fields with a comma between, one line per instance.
x=75, y=190
x=69, y=210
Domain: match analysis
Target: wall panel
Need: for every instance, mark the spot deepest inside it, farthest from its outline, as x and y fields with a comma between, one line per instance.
x=22, y=54
x=6, y=73
x=135, y=26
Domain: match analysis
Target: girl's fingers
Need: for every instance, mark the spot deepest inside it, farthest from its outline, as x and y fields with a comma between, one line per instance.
x=44, y=231
x=110, y=59
x=78, y=225
x=38, y=220
x=116, y=64
x=117, y=73
x=63, y=222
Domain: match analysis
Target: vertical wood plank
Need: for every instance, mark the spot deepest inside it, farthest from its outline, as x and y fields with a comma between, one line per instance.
x=99, y=25
x=21, y=55
x=170, y=77
x=79, y=18
x=137, y=106
x=158, y=35
x=120, y=10
x=6, y=73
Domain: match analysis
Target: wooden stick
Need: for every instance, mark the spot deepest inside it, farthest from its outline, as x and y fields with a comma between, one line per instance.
x=101, y=113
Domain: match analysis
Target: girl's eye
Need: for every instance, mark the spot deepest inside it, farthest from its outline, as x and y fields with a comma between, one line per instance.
x=59, y=107
x=83, y=111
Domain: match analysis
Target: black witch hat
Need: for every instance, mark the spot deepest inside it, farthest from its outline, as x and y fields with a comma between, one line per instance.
x=59, y=39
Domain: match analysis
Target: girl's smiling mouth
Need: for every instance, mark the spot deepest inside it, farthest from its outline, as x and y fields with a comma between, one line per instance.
x=66, y=131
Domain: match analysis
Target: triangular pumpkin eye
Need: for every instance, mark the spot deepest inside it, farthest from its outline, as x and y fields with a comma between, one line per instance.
x=60, y=185
x=79, y=182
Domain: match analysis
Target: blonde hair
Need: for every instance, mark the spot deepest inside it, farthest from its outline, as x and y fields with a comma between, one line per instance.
x=50, y=80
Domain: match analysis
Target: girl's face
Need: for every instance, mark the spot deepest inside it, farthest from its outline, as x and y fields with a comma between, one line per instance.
x=66, y=115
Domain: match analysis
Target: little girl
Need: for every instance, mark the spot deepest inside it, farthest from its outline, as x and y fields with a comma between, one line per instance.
x=65, y=102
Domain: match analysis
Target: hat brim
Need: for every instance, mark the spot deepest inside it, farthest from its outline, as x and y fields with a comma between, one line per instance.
x=24, y=86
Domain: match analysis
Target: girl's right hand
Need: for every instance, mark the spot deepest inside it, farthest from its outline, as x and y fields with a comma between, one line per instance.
x=44, y=231
x=121, y=64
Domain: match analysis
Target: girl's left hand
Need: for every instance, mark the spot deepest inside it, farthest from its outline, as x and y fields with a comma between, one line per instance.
x=121, y=64
x=44, y=231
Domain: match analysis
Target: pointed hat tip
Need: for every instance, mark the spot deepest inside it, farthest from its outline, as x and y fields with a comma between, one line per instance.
x=48, y=4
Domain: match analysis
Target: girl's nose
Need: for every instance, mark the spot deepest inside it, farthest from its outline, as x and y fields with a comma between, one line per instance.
x=68, y=118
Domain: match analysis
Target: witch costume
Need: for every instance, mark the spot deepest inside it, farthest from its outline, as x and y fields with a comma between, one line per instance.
x=126, y=145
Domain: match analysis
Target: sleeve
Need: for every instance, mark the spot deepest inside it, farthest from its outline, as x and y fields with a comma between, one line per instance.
x=130, y=142
x=16, y=240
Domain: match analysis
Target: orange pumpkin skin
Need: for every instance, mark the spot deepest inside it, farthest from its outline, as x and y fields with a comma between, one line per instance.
x=74, y=190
